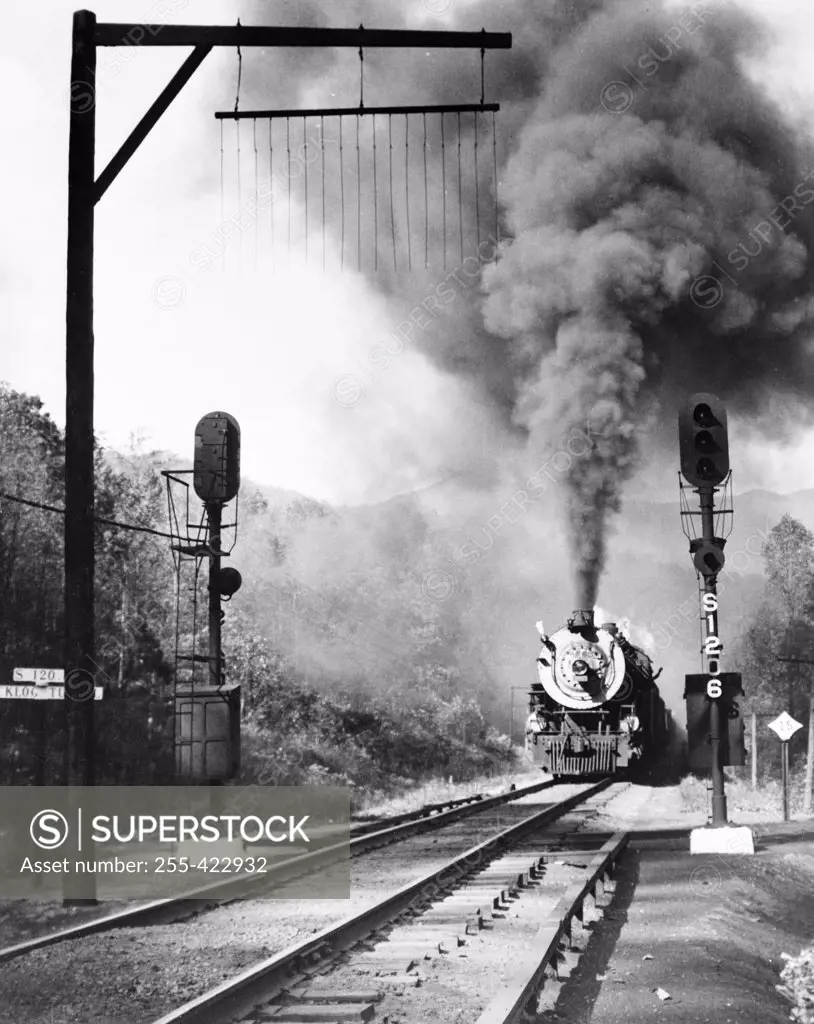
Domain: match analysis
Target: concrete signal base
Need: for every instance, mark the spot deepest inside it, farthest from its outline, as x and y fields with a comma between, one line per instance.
x=727, y=839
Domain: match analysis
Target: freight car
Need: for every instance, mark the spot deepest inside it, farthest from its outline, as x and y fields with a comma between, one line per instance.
x=596, y=709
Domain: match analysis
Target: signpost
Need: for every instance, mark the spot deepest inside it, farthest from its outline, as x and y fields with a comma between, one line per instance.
x=40, y=692
x=40, y=676
x=785, y=727
x=39, y=684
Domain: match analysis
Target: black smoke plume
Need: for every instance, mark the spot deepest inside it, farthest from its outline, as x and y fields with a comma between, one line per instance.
x=652, y=252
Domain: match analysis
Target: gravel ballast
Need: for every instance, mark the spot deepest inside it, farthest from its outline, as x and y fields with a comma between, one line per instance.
x=135, y=976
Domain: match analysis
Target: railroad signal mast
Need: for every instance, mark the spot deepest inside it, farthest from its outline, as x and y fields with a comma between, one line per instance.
x=206, y=711
x=216, y=481
x=714, y=728
x=704, y=450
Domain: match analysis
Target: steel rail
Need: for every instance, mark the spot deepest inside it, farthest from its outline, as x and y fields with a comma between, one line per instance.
x=238, y=997
x=511, y=1005
x=422, y=813
x=365, y=837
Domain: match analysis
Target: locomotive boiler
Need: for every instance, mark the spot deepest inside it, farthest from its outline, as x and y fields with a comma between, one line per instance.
x=595, y=708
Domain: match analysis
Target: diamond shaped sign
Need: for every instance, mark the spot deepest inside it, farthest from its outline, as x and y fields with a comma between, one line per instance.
x=785, y=726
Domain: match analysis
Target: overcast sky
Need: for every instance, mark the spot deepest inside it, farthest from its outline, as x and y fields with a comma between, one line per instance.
x=174, y=341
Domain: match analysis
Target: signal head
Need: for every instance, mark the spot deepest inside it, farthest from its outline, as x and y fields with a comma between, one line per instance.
x=703, y=441
x=216, y=475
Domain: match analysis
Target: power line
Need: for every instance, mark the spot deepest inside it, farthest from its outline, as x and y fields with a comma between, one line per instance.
x=97, y=519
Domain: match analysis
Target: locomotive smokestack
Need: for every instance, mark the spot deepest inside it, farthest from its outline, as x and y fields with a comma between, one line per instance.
x=582, y=619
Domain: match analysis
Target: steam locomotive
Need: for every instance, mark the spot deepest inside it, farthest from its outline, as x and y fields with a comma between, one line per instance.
x=596, y=708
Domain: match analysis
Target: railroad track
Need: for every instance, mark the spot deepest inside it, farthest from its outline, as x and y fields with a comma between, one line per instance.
x=348, y=971
x=364, y=837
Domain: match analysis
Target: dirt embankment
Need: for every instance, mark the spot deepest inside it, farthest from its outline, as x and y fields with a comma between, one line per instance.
x=706, y=931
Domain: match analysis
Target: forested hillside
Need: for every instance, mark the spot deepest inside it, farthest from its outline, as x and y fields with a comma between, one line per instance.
x=352, y=670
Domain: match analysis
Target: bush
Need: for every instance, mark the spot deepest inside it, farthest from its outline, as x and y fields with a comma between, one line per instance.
x=798, y=985
x=766, y=799
x=377, y=751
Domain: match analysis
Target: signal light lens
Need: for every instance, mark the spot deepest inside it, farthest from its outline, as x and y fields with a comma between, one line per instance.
x=704, y=442
x=702, y=414
x=705, y=468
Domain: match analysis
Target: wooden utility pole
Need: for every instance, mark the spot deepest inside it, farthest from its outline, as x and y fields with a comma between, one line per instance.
x=809, y=783
x=754, y=750
x=79, y=449
x=809, y=777
x=80, y=641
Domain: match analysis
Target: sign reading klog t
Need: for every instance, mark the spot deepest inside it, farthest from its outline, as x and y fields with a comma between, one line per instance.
x=39, y=684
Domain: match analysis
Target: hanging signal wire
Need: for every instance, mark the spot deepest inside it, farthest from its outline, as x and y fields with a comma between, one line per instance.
x=494, y=151
x=426, y=204
x=497, y=207
x=288, y=185
x=375, y=203
x=359, y=158
x=460, y=193
x=273, y=197
x=342, y=192
x=476, y=118
x=392, y=208
x=444, y=190
x=237, y=135
x=305, y=160
x=407, y=188
x=256, y=195
x=482, y=71
x=322, y=148
x=239, y=198
x=358, y=199
x=222, y=205
x=361, y=74
x=239, y=74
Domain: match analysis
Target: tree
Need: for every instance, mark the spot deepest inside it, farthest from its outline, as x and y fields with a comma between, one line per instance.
x=134, y=600
x=784, y=628
x=789, y=554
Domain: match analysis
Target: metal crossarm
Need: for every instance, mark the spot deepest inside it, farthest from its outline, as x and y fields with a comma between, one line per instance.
x=113, y=34
x=441, y=108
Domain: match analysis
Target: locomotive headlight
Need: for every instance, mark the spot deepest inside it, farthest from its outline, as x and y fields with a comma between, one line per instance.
x=581, y=669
